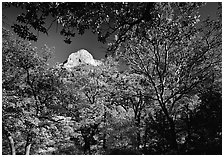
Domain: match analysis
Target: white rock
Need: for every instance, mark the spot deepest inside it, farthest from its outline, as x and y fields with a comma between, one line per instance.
x=81, y=57
x=121, y=109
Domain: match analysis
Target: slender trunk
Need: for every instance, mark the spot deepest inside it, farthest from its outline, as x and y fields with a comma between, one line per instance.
x=104, y=141
x=145, y=140
x=10, y=139
x=188, y=123
x=27, y=149
x=138, y=131
x=173, y=134
x=173, y=141
x=86, y=145
x=12, y=145
x=28, y=145
x=138, y=139
x=105, y=134
x=87, y=148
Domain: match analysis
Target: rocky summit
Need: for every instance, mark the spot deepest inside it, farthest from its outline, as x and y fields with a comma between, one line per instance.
x=80, y=57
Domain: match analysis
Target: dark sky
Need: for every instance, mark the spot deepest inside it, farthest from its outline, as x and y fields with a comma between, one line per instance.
x=87, y=41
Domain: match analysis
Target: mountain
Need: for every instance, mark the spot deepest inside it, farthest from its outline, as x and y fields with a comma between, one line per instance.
x=80, y=57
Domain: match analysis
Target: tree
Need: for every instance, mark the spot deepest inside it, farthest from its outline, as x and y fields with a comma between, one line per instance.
x=105, y=19
x=88, y=103
x=132, y=95
x=29, y=87
x=176, y=56
x=166, y=102
x=206, y=125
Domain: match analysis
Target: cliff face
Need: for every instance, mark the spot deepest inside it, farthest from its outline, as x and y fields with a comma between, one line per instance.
x=80, y=57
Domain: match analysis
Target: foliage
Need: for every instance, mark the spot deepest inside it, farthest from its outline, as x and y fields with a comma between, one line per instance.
x=168, y=100
x=206, y=124
x=175, y=57
x=104, y=19
x=27, y=89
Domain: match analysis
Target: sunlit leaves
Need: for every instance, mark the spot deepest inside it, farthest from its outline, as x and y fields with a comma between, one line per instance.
x=168, y=93
x=105, y=19
x=28, y=87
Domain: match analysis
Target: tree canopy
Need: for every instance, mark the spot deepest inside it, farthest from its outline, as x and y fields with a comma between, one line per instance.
x=104, y=19
x=167, y=100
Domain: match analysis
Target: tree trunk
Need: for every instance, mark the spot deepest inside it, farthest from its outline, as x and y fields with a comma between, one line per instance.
x=104, y=141
x=173, y=142
x=12, y=145
x=105, y=134
x=145, y=140
x=10, y=139
x=28, y=144
x=138, y=139
x=173, y=134
x=138, y=121
x=86, y=146
x=27, y=149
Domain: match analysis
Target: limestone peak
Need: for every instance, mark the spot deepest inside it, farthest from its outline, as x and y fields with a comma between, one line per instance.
x=80, y=57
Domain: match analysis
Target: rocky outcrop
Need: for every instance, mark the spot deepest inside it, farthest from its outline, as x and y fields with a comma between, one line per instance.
x=80, y=57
